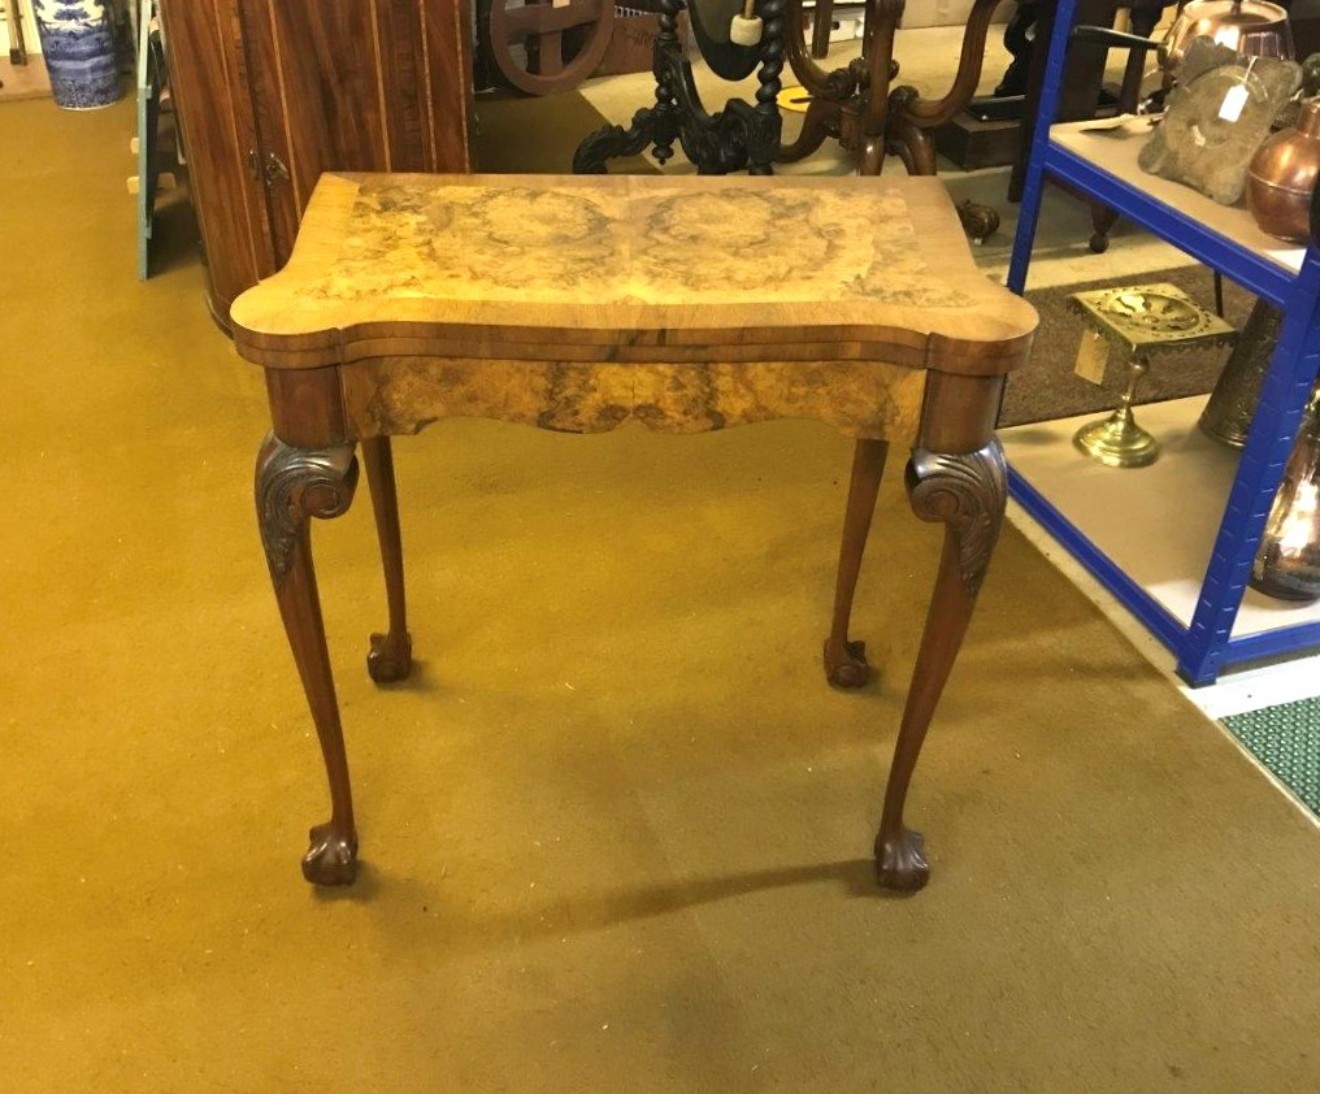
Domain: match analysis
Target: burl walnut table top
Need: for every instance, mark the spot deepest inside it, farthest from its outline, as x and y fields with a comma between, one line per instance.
x=632, y=269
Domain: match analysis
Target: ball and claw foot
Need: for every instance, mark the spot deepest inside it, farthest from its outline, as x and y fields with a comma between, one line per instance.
x=390, y=659
x=845, y=664
x=979, y=221
x=901, y=864
x=331, y=859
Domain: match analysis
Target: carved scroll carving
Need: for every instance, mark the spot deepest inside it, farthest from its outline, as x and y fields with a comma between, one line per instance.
x=968, y=494
x=294, y=484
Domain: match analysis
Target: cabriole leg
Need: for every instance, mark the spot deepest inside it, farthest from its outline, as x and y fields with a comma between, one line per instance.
x=845, y=660
x=967, y=494
x=292, y=486
x=390, y=658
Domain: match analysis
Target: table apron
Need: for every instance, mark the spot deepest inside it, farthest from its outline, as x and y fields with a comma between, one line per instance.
x=392, y=396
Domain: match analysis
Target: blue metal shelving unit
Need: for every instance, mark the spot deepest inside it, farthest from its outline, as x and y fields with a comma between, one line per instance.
x=1206, y=646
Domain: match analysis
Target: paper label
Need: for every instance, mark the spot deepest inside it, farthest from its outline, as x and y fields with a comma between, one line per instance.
x=560, y=3
x=1092, y=356
x=1101, y=125
x=1234, y=101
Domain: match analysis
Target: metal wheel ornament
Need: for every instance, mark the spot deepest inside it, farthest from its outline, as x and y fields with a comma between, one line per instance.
x=564, y=41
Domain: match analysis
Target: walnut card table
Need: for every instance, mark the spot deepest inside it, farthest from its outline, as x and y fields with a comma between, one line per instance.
x=580, y=303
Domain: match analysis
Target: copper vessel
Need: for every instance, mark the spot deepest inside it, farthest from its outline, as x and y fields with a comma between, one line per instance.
x=1252, y=28
x=1287, y=563
x=1282, y=175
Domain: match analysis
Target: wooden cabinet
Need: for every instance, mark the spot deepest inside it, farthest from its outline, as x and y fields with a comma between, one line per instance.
x=270, y=93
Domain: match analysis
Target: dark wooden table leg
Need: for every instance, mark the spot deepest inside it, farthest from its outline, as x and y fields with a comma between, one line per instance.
x=293, y=485
x=821, y=24
x=390, y=658
x=968, y=494
x=815, y=128
x=845, y=660
x=882, y=18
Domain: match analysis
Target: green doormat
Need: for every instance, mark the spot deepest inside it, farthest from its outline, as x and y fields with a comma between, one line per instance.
x=1286, y=739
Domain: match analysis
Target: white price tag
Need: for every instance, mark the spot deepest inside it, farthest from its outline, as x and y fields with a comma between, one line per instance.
x=1233, y=103
x=1092, y=356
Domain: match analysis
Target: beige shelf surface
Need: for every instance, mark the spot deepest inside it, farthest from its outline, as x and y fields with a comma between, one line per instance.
x=1114, y=149
x=1158, y=523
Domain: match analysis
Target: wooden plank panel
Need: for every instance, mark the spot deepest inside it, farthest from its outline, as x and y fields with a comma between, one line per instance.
x=327, y=61
x=403, y=85
x=446, y=36
x=215, y=112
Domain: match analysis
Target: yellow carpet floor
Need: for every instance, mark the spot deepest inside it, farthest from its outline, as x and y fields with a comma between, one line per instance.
x=617, y=831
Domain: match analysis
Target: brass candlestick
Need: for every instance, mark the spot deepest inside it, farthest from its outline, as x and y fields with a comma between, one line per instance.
x=1140, y=321
x=1118, y=441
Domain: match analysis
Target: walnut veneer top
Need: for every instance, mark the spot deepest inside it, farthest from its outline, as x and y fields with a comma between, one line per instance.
x=632, y=269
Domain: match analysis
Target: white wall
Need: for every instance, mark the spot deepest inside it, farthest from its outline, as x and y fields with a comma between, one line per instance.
x=946, y=13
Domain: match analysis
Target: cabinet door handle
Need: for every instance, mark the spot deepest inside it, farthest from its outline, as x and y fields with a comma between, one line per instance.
x=275, y=169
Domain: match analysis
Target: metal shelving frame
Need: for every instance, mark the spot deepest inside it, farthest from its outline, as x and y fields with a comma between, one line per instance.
x=1206, y=646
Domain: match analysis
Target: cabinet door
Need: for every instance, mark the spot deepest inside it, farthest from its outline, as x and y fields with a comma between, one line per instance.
x=371, y=85
x=210, y=88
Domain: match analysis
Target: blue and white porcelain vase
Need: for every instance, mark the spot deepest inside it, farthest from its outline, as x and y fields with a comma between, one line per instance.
x=78, y=46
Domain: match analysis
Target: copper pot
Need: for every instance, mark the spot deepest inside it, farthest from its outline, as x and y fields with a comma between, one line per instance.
x=1253, y=28
x=1282, y=175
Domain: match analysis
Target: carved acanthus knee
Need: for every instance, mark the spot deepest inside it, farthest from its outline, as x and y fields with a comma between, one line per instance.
x=294, y=484
x=968, y=494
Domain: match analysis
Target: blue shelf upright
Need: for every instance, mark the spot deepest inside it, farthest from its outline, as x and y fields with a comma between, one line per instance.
x=1206, y=646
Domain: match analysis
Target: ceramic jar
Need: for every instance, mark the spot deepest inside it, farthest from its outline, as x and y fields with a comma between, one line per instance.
x=78, y=46
x=1281, y=177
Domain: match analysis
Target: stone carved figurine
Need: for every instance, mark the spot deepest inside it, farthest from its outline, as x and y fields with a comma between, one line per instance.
x=1217, y=117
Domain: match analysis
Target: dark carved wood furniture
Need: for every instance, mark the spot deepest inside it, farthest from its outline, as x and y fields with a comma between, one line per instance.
x=270, y=93
x=856, y=105
x=859, y=106
x=742, y=135
x=578, y=304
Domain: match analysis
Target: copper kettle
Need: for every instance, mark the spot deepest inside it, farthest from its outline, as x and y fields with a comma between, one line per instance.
x=1253, y=28
x=1282, y=177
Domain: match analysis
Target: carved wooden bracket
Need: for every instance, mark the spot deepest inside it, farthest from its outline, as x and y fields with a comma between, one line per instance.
x=968, y=495
x=294, y=484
